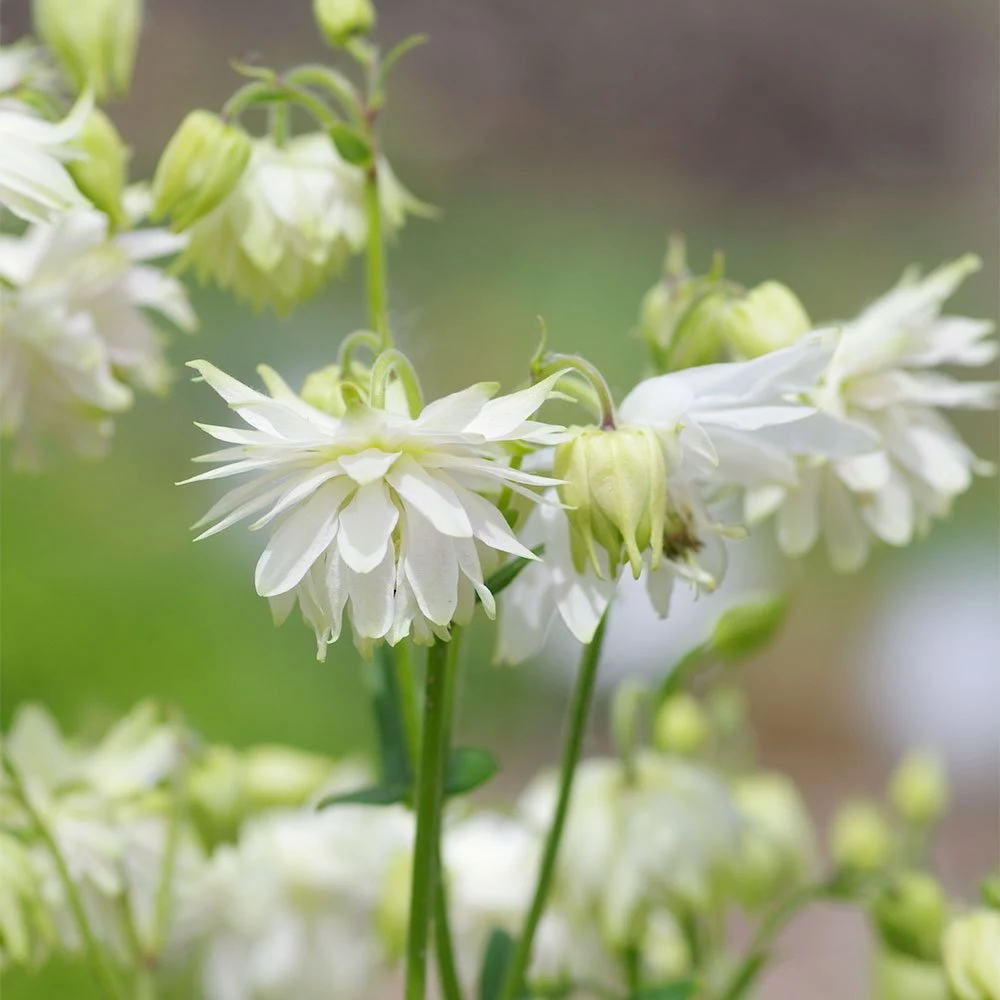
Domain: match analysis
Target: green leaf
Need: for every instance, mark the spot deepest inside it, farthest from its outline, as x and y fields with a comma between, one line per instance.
x=374, y=795
x=397, y=52
x=496, y=959
x=468, y=768
x=508, y=573
x=681, y=990
x=747, y=628
x=351, y=144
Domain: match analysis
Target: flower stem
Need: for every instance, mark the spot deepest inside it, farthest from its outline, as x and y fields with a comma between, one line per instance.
x=350, y=343
x=581, y=366
x=99, y=961
x=393, y=362
x=378, y=305
x=429, y=799
x=579, y=711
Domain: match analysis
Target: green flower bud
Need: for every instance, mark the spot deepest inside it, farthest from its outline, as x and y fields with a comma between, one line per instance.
x=616, y=489
x=199, y=168
x=661, y=310
x=777, y=846
x=898, y=977
x=342, y=20
x=102, y=172
x=276, y=776
x=989, y=891
x=215, y=790
x=94, y=40
x=972, y=956
x=860, y=839
x=746, y=628
x=766, y=319
x=918, y=789
x=910, y=915
x=698, y=337
x=680, y=726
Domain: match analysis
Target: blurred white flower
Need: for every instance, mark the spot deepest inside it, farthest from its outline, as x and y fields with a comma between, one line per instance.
x=74, y=336
x=34, y=184
x=880, y=379
x=296, y=215
x=26, y=929
x=379, y=511
x=721, y=427
x=972, y=956
x=657, y=838
x=292, y=909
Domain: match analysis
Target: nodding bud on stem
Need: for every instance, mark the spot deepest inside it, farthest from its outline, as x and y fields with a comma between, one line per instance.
x=860, y=839
x=341, y=20
x=101, y=172
x=200, y=166
x=615, y=489
x=94, y=40
x=918, y=789
x=910, y=914
x=768, y=318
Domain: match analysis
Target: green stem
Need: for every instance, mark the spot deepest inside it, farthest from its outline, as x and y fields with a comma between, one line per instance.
x=278, y=114
x=278, y=91
x=557, y=362
x=350, y=343
x=378, y=303
x=392, y=362
x=145, y=985
x=429, y=799
x=780, y=916
x=409, y=699
x=99, y=961
x=579, y=711
x=334, y=83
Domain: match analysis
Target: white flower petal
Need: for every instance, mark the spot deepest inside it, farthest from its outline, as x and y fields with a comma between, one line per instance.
x=434, y=498
x=368, y=465
x=798, y=519
x=846, y=534
x=431, y=567
x=500, y=417
x=371, y=596
x=366, y=526
x=889, y=511
x=489, y=526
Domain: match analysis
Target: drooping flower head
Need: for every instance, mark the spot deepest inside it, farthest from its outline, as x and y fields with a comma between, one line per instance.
x=375, y=514
x=74, y=335
x=880, y=378
x=293, y=219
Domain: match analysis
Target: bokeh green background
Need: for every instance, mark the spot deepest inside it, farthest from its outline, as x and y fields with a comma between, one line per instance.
x=560, y=211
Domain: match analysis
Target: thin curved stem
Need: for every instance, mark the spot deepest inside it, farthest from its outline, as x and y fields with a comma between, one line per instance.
x=393, y=362
x=429, y=800
x=579, y=712
x=350, y=343
x=334, y=83
x=378, y=299
x=556, y=362
x=99, y=961
x=259, y=92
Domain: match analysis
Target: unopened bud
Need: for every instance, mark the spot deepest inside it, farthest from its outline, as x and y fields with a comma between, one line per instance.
x=324, y=389
x=766, y=319
x=94, y=40
x=342, y=20
x=698, y=335
x=102, y=171
x=615, y=486
x=972, y=956
x=910, y=914
x=899, y=977
x=918, y=789
x=860, y=839
x=680, y=726
x=199, y=168
x=215, y=790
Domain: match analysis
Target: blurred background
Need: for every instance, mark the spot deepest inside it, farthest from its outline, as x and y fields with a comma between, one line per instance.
x=825, y=144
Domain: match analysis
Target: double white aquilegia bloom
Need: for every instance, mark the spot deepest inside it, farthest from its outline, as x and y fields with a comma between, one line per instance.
x=75, y=339
x=712, y=430
x=881, y=378
x=377, y=513
x=295, y=216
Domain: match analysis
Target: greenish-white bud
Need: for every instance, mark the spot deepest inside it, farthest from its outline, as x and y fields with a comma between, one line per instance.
x=918, y=789
x=777, y=846
x=698, y=335
x=341, y=20
x=766, y=319
x=899, y=977
x=215, y=790
x=910, y=914
x=972, y=956
x=745, y=629
x=615, y=486
x=680, y=726
x=860, y=838
x=101, y=173
x=199, y=168
x=276, y=776
x=95, y=41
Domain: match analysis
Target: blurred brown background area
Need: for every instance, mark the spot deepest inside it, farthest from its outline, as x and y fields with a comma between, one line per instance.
x=826, y=143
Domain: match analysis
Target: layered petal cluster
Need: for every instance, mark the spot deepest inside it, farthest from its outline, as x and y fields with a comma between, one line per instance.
x=721, y=428
x=882, y=378
x=295, y=216
x=34, y=183
x=293, y=909
x=75, y=337
x=375, y=514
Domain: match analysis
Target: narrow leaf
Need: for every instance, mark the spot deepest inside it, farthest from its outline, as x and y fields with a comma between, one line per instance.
x=375, y=795
x=468, y=768
x=508, y=573
x=681, y=990
x=397, y=52
x=747, y=628
x=351, y=144
x=496, y=959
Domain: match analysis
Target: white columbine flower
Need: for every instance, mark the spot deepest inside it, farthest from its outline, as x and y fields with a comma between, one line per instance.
x=34, y=184
x=377, y=513
x=293, y=909
x=74, y=335
x=296, y=215
x=881, y=378
x=720, y=427
x=634, y=843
